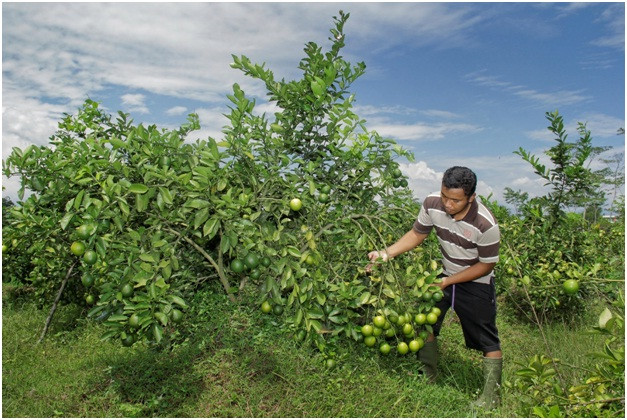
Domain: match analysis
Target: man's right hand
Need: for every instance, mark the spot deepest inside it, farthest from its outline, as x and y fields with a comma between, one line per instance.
x=374, y=256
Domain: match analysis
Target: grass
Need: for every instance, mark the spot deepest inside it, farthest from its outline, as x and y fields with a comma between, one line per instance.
x=240, y=364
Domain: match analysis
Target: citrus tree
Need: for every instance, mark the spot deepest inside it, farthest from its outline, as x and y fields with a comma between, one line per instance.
x=132, y=220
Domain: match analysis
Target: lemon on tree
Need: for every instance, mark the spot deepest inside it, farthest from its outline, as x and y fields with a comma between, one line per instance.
x=77, y=248
x=84, y=231
x=367, y=330
x=87, y=280
x=370, y=341
x=176, y=315
x=90, y=257
x=432, y=318
x=420, y=318
x=296, y=204
x=402, y=348
x=266, y=307
x=127, y=290
x=385, y=348
x=237, y=265
x=379, y=321
x=133, y=321
x=416, y=344
x=251, y=260
x=570, y=287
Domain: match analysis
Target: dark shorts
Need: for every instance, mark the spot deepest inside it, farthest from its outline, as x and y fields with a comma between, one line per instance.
x=475, y=305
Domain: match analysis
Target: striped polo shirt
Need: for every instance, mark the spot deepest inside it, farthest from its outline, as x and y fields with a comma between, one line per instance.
x=463, y=243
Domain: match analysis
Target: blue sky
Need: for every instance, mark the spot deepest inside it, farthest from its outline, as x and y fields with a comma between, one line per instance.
x=456, y=83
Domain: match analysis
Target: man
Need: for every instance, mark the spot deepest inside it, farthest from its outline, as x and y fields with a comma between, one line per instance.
x=469, y=239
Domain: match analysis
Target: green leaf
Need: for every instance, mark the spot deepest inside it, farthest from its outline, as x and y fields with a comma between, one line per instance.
x=66, y=220
x=197, y=203
x=147, y=258
x=201, y=217
x=605, y=316
x=178, y=300
x=163, y=318
x=157, y=332
x=211, y=227
x=138, y=188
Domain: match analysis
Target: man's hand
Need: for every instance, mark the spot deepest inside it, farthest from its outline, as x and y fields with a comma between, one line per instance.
x=374, y=256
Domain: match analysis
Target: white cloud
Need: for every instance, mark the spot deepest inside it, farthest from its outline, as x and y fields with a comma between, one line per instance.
x=135, y=103
x=438, y=113
x=421, y=131
x=177, y=110
x=550, y=99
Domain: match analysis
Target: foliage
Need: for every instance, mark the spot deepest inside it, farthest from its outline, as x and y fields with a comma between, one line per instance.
x=545, y=245
x=600, y=392
x=571, y=182
x=165, y=215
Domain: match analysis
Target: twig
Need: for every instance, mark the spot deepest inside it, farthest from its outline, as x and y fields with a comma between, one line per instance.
x=56, y=302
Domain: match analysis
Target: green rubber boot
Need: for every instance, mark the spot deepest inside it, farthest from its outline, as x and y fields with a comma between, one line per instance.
x=428, y=355
x=490, y=398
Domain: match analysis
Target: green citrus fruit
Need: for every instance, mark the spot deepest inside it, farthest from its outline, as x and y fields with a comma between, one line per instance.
x=415, y=345
x=385, y=348
x=84, y=231
x=266, y=307
x=437, y=311
x=402, y=348
x=367, y=330
x=296, y=204
x=88, y=280
x=127, y=290
x=265, y=261
x=277, y=310
x=437, y=296
x=432, y=318
x=237, y=265
x=128, y=340
x=420, y=319
x=376, y=331
x=90, y=299
x=251, y=260
x=133, y=321
x=370, y=341
x=255, y=273
x=325, y=189
x=427, y=296
x=90, y=257
x=389, y=332
x=396, y=173
x=379, y=321
x=408, y=329
x=323, y=198
x=176, y=315
x=570, y=287
x=77, y=248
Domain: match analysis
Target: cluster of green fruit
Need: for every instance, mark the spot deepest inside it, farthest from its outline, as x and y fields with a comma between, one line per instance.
x=397, y=180
x=410, y=332
x=252, y=264
x=267, y=307
x=84, y=232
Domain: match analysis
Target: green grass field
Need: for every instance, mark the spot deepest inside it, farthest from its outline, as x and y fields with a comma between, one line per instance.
x=240, y=364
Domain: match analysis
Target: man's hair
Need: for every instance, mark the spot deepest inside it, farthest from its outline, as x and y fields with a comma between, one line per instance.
x=460, y=177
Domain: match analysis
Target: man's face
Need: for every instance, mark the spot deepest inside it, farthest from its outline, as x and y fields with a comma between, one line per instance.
x=455, y=200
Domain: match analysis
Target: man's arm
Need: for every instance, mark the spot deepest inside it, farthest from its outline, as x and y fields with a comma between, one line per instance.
x=469, y=274
x=407, y=242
